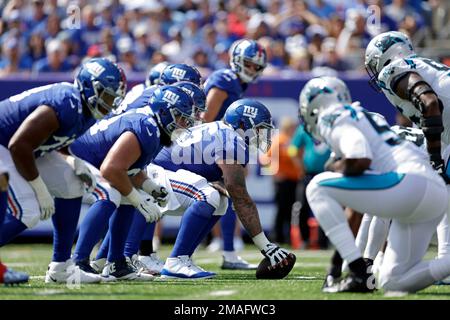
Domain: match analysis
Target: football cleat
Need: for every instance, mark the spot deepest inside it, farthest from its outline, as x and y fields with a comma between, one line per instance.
x=237, y=263
x=443, y=282
x=330, y=283
x=68, y=272
x=11, y=277
x=86, y=266
x=215, y=245
x=182, y=267
x=148, y=264
x=353, y=283
x=98, y=265
x=123, y=269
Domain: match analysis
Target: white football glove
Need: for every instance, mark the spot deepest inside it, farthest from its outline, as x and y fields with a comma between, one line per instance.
x=274, y=253
x=158, y=192
x=82, y=171
x=44, y=198
x=144, y=203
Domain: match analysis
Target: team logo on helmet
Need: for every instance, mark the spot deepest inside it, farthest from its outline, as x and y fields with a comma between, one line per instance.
x=170, y=97
x=95, y=68
x=250, y=112
x=178, y=73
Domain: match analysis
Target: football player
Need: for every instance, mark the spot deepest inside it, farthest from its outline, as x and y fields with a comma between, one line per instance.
x=7, y=275
x=219, y=151
x=118, y=149
x=418, y=87
x=42, y=185
x=248, y=60
x=397, y=169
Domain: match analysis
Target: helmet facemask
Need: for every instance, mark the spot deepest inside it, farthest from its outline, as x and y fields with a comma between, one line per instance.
x=104, y=98
x=261, y=137
x=180, y=124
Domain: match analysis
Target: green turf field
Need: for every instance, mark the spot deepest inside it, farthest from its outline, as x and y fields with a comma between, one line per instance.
x=304, y=282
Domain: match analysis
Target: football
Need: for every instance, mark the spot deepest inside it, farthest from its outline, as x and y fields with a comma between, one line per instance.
x=279, y=271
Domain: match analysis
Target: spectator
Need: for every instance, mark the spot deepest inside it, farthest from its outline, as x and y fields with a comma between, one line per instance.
x=36, y=47
x=89, y=31
x=300, y=60
x=385, y=22
x=144, y=50
x=127, y=56
x=313, y=155
x=321, y=9
x=55, y=60
x=398, y=10
x=286, y=174
x=12, y=60
x=329, y=57
x=38, y=17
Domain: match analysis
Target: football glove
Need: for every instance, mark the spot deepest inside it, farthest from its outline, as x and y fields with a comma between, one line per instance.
x=44, y=198
x=158, y=192
x=439, y=166
x=143, y=202
x=274, y=253
x=83, y=172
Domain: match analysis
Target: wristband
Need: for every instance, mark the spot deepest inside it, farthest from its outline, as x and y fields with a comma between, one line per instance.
x=261, y=241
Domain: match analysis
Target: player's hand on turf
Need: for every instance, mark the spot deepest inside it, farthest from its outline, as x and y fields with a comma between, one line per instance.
x=44, y=198
x=158, y=192
x=439, y=166
x=275, y=253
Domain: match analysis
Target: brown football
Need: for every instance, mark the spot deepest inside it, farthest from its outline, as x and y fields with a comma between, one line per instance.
x=279, y=271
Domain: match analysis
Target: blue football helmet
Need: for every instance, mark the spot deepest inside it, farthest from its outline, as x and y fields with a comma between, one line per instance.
x=253, y=121
x=197, y=94
x=102, y=85
x=180, y=72
x=173, y=108
x=155, y=73
x=246, y=55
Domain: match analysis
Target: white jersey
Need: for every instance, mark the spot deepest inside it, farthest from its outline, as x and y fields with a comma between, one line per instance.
x=2, y=167
x=435, y=74
x=352, y=132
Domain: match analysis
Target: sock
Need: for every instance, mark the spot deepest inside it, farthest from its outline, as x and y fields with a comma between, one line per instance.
x=228, y=224
x=3, y=207
x=94, y=222
x=119, y=227
x=193, y=222
x=65, y=221
x=11, y=228
x=363, y=232
x=104, y=247
x=336, y=265
x=207, y=229
x=146, y=247
x=377, y=235
x=135, y=234
x=443, y=235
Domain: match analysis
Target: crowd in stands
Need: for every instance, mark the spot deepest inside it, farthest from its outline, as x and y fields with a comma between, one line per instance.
x=299, y=35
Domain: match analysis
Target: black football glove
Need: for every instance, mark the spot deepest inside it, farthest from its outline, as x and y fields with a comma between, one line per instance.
x=275, y=253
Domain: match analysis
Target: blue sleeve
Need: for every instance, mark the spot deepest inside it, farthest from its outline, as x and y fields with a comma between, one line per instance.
x=148, y=135
x=66, y=105
x=223, y=80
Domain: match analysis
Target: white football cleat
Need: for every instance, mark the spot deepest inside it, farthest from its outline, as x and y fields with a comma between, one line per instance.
x=69, y=273
x=148, y=264
x=98, y=265
x=215, y=245
x=182, y=267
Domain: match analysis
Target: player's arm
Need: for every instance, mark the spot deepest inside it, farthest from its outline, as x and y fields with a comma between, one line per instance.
x=158, y=192
x=234, y=178
x=414, y=88
x=32, y=133
x=214, y=101
x=122, y=155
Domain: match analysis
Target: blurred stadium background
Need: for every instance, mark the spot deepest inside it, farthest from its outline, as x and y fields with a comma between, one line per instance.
x=43, y=42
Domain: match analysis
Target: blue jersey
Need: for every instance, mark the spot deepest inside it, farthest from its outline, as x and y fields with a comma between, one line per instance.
x=95, y=144
x=228, y=81
x=201, y=149
x=64, y=98
x=137, y=97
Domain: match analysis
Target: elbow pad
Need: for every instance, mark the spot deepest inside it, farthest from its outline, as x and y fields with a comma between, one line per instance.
x=432, y=127
x=415, y=91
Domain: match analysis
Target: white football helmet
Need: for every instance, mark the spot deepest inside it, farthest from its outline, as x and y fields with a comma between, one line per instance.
x=382, y=50
x=318, y=94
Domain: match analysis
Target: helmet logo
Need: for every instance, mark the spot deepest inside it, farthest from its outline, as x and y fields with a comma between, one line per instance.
x=250, y=112
x=178, y=73
x=188, y=91
x=170, y=97
x=95, y=68
x=385, y=43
